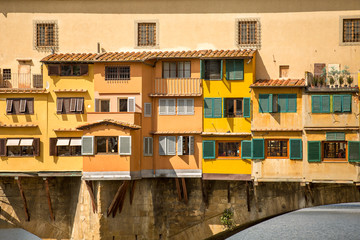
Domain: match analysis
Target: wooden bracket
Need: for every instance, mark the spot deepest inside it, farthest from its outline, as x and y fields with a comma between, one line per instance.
x=90, y=189
x=118, y=201
x=311, y=192
x=182, y=193
x=204, y=192
x=47, y=189
x=184, y=190
x=248, y=196
x=23, y=198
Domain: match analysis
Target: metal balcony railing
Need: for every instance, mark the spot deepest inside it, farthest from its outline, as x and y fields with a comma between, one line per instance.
x=21, y=80
x=178, y=86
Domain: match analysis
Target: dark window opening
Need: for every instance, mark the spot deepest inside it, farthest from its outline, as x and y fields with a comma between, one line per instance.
x=233, y=107
x=213, y=70
x=117, y=73
x=106, y=145
x=277, y=148
x=123, y=105
x=228, y=149
x=335, y=150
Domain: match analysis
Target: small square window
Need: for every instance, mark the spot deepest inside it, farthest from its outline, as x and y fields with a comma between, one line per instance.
x=45, y=35
x=6, y=74
x=351, y=30
x=228, y=149
x=248, y=32
x=117, y=73
x=284, y=71
x=123, y=105
x=277, y=148
x=146, y=34
x=233, y=107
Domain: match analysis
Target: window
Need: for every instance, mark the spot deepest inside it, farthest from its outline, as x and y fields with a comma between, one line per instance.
x=228, y=149
x=117, y=73
x=6, y=74
x=148, y=109
x=185, y=106
x=176, y=70
x=146, y=34
x=70, y=105
x=341, y=103
x=233, y=107
x=148, y=146
x=167, y=106
x=351, y=30
x=211, y=69
x=45, y=35
x=334, y=151
x=185, y=145
x=248, y=31
x=167, y=145
x=126, y=104
x=212, y=107
x=14, y=147
x=276, y=148
x=272, y=103
x=65, y=146
x=284, y=71
x=68, y=69
x=19, y=106
x=235, y=69
x=102, y=105
x=106, y=145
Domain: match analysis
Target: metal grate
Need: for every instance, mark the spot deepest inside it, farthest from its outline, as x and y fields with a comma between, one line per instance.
x=248, y=32
x=38, y=80
x=45, y=35
x=7, y=74
x=146, y=34
x=351, y=30
x=117, y=73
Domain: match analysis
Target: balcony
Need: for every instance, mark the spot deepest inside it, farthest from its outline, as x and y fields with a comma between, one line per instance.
x=177, y=87
x=333, y=83
x=21, y=81
x=129, y=117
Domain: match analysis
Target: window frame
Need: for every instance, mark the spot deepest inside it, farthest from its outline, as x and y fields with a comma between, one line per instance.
x=186, y=112
x=118, y=77
x=277, y=157
x=71, y=148
x=323, y=159
x=46, y=48
x=257, y=44
x=227, y=157
x=107, y=145
x=35, y=148
x=225, y=107
x=167, y=107
x=29, y=106
x=70, y=99
x=177, y=69
x=342, y=20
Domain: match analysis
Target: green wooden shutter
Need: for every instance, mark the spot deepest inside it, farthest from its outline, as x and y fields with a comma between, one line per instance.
x=346, y=103
x=270, y=103
x=335, y=136
x=354, y=151
x=330, y=136
x=263, y=103
x=224, y=107
x=221, y=69
x=247, y=107
x=209, y=149
x=217, y=108
x=257, y=148
x=246, y=149
x=295, y=149
x=230, y=70
x=337, y=103
x=282, y=102
x=202, y=69
x=314, y=151
x=239, y=69
x=316, y=104
x=291, y=107
x=325, y=104
x=208, y=107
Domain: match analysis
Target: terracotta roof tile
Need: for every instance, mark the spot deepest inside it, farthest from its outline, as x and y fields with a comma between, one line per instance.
x=109, y=121
x=71, y=90
x=279, y=83
x=143, y=56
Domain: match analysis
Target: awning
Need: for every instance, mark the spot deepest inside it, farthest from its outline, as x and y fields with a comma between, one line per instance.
x=13, y=142
x=75, y=142
x=63, y=142
x=26, y=142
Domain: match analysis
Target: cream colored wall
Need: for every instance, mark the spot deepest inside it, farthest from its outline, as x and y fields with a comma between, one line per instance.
x=293, y=34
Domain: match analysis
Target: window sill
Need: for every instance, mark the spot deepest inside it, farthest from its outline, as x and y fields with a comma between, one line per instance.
x=107, y=153
x=228, y=158
x=20, y=156
x=277, y=157
x=333, y=160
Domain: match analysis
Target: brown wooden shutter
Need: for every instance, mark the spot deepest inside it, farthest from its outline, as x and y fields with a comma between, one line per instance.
x=73, y=104
x=67, y=105
x=318, y=69
x=54, y=70
x=53, y=148
x=80, y=105
x=97, y=102
x=9, y=105
x=2, y=147
x=36, y=145
x=30, y=105
x=16, y=106
x=84, y=69
x=59, y=106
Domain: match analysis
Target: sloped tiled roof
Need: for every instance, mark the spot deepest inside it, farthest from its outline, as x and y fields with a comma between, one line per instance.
x=279, y=83
x=110, y=121
x=146, y=55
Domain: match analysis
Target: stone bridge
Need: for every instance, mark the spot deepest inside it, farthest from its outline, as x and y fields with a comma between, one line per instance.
x=151, y=208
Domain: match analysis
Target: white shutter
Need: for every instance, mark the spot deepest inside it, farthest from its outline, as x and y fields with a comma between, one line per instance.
x=87, y=145
x=187, y=73
x=171, y=145
x=189, y=106
x=124, y=145
x=162, y=107
x=147, y=111
x=180, y=106
x=22, y=105
x=180, y=69
x=162, y=145
x=148, y=146
x=171, y=106
x=191, y=145
x=131, y=104
x=180, y=145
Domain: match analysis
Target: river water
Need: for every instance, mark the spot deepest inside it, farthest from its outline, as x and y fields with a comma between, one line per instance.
x=329, y=222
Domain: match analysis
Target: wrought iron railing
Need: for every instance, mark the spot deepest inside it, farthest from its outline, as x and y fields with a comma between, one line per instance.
x=21, y=80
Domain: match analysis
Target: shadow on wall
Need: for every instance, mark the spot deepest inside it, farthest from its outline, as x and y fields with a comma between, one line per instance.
x=17, y=234
x=176, y=6
x=261, y=72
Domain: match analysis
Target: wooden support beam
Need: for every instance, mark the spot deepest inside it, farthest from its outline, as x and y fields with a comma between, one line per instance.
x=90, y=189
x=228, y=193
x=248, y=196
x=122, y=198
x=118, y=200
x=132, y=191
x=310, y=191
x=23, y=198
x=47, y=189
x=204, y=192
x=184, y=190
x=115, y=199
x=178, y=188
